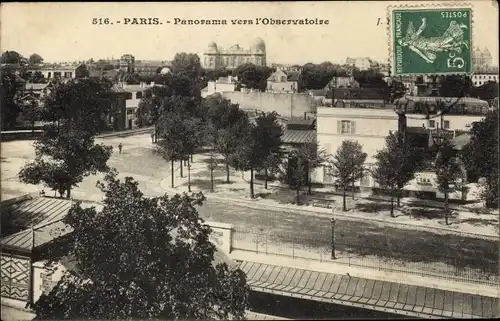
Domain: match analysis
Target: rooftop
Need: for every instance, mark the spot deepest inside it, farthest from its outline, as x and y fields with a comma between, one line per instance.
x=293, y=136
x=36, y=86
x=454, y=100
x=29, y=222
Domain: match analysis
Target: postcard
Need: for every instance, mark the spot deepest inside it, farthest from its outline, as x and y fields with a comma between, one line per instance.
x=249, y=160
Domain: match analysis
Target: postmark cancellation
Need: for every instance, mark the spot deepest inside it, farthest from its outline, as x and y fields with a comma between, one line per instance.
x=430, y=39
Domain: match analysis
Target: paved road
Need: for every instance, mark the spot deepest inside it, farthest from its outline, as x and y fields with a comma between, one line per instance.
x=374, y=238
x=137, y=160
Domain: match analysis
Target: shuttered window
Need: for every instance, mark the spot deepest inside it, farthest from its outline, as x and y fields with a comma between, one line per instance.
x=346, y=127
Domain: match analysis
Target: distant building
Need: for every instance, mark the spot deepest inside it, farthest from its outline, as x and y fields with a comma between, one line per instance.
x=370, y=126
x=217, y=58
x=342, y=82
x=284, y=81
x=132, y=95
x=286, y=67
x=479, y=79
x=481, y=59
x=37, y=91
x=59, y=71
x=149, y=67
x=221, y=85
x=127, y=63
x=362, y=63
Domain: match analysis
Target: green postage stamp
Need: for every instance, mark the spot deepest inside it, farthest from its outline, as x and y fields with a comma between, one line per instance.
x=431, y=40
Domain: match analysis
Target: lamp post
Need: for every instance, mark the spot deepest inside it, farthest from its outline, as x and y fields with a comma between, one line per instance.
x=333, y=238
x=189, y=175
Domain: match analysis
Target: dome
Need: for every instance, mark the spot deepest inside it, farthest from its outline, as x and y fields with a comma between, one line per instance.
x=258, y=45
x=212, y=46
x=164, y=71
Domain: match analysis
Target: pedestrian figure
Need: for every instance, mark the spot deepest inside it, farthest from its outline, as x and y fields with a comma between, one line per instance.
x=152, y=137
x=120, y=147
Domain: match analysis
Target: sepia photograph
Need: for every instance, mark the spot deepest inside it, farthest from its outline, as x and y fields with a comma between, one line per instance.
x=271, y=160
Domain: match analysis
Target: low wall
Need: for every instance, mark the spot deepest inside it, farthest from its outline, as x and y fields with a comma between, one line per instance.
x=221, y=235
x=43, y=281
x=10, y=135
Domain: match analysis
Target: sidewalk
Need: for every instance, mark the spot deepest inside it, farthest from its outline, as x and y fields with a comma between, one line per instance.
x=237, y=193
x=332, y=267
x=14, y=310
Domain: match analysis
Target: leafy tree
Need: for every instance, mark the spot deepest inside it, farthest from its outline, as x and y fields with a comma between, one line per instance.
x=272, y=165
x=84, y=103
x=64, y=157
x=11, y=57
x=143, y=258
x=253, y=76
x=301, y=162
x=31, y=112
x=318, y=76
x=11, y=87
x=178, y=138
x=394, y=91
x=395, y=165
x=37, y=77
x=214, y=74
x=35, y=59
x=481, y=155
x=188, y=65
x=261, y=139
x=228, y=124
x=212, y=165
x=455, y=86
x=487, y=91
x=346, y=165
x=449, y=173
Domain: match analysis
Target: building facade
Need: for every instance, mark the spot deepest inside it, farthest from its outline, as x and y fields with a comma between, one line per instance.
x=217, y=58
x=481, y=59
x=67, y=72
x=362, y=63
x=479, y=79
x=371, y=126
x=284, y=81
x=127, y=63
x=221, y=85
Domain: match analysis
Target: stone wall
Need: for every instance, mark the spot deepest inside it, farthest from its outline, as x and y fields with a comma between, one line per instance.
x=286, y=104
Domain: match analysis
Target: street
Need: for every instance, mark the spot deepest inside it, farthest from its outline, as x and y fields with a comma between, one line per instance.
x=373, y=238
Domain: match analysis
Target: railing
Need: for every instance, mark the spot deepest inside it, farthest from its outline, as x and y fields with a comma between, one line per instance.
x=320, y=248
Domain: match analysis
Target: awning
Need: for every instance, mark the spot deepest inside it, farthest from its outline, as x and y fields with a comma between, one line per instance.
x=390, y=297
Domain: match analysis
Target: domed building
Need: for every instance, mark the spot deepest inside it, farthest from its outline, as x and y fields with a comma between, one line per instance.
x=215, y=57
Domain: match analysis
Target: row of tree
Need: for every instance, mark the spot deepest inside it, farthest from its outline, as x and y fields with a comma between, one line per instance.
x=173, y=273
x=15, y=58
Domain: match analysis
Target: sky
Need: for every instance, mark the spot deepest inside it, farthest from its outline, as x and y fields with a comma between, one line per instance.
x=64, y=31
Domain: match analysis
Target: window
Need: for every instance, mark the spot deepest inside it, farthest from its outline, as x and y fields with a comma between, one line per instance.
x=345, y=127
x=432, y=123
x=138, y=95
x=446, y=124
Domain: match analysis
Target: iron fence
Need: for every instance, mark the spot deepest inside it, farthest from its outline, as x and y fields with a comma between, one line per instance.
x=319, y=247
